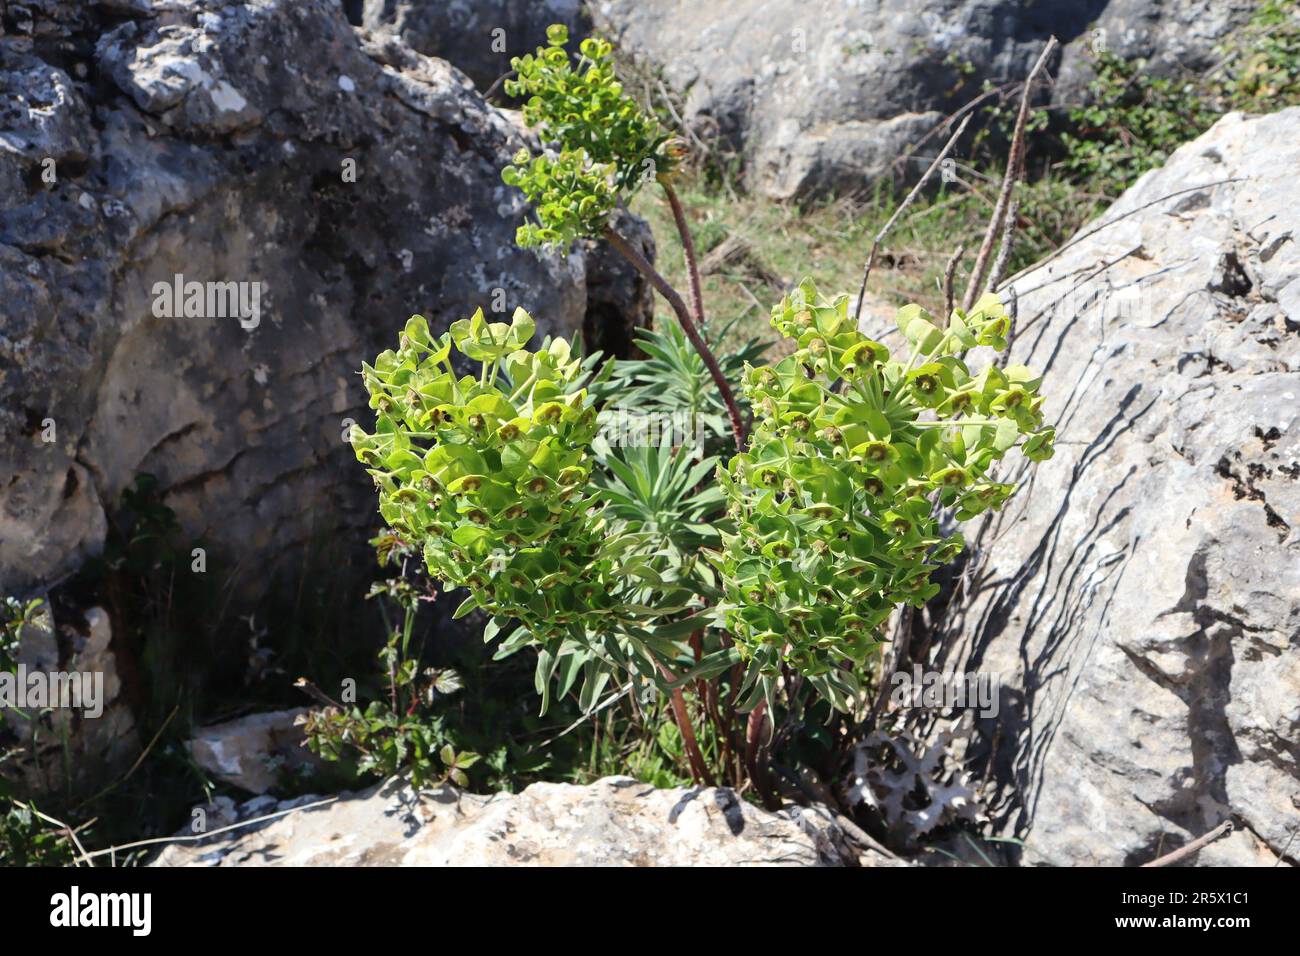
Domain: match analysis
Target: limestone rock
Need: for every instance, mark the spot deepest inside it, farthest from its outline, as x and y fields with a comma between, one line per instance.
x=254, y=752
x=340, y=177
x=616, y=821
x=823, y=97
x=1175, y=37
x=1140, y=596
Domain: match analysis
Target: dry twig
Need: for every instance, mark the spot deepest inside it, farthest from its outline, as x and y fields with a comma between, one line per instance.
x=884, y=231
x=949, y=271
x=203, y=836
x=1004, y=250
x=671, y=296
x=69, y=832
x=1184, y=852
x=1014, y=161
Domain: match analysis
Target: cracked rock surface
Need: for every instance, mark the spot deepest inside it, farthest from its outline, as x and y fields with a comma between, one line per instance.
x=352, y=179
x=616, y=821
x=1140, y=596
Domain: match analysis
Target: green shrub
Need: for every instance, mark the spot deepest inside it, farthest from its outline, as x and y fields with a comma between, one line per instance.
x=608, y=145
x=485, y=470
x=1263, y=72
x=1131, y=123
x=26, y=840
x=1133, y=120
x=833, y=495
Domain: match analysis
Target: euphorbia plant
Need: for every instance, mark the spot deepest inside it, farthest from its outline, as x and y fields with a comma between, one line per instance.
x=490, y=473
x=782, y=573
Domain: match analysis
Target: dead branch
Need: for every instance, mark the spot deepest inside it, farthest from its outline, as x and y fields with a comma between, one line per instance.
x=884, y=231
x=1110, y=222
x=949, y=271
x=1184, y=852
x=1015, y=159
x=1004, y=250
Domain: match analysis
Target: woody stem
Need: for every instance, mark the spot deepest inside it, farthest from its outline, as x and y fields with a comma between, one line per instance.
x=699, y=769
x=688, y=251
x=663, y=287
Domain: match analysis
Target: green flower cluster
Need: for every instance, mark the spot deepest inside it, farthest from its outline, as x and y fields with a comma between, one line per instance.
x=835, y=500
x=572, y=197
x=489, y=473
x=606, y=144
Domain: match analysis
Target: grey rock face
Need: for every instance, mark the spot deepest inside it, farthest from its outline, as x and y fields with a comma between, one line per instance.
x=822, y=97
x=616, y=821
x=1174, y=37
x=1140, y=596
x=340, y=179
x=479, y=36
x=817, y=98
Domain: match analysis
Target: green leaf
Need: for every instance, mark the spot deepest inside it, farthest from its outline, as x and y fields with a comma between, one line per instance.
x=417, y=330
x=465, y=606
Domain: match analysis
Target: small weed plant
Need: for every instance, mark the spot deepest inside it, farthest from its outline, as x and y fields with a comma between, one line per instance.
x=401, y=731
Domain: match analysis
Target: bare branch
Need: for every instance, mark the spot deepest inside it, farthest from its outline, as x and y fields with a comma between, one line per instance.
x=1002, y=90
x=1013, y=170
x=688, y=251
x=1106, y=224
x=1004, y=250
x=665, y=289
x=1184, y=852
x=67, y=831
x=949, y=271
x=884, y=231
x=699, y=769
x=498, y=83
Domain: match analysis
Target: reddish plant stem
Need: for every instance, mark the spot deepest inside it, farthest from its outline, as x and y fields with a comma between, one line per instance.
x=662, y=286
x=756, y=756
x=884, y=230
x=699, y=770
x=707, y=690
x=728, y=721
x=701, y=685
x=688, y=250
